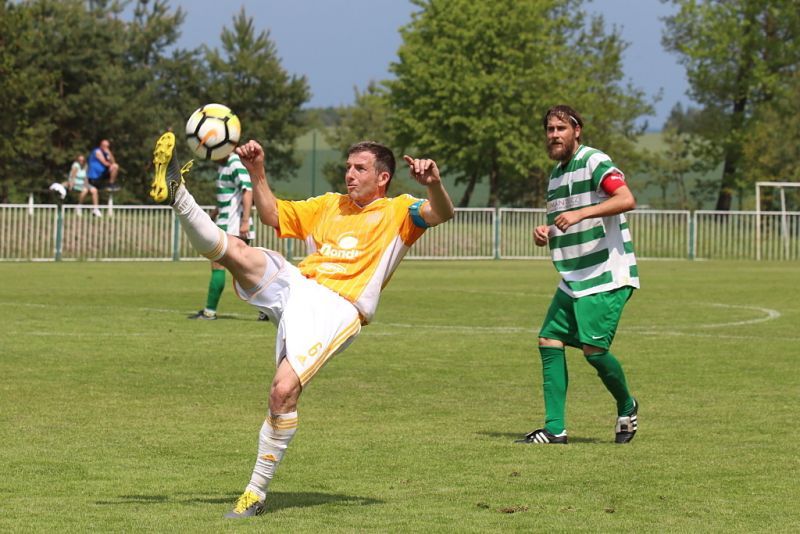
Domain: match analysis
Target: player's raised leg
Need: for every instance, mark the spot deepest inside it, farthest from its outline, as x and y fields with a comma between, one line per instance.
x=167, y=177
x=245, y=263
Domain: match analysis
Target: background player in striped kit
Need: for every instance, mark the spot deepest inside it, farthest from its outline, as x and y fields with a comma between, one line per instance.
x=232, y=214
x=591, y=248
x=355, y=242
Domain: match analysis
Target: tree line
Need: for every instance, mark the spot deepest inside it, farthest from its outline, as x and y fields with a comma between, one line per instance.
x=75, y=72
x=470, y=84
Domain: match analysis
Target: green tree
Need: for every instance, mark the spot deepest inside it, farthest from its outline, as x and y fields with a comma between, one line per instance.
x=670, y=169
x=151, y=97
x=474, y=78
x=248, y=77
x=682, y=158
x=367, y=118
x=738, y=55
x=773, y=144
x=77, y=73
x=38, y=84
x=22, y=92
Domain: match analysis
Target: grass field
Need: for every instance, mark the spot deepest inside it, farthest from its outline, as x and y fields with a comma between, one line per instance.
x=118, y=414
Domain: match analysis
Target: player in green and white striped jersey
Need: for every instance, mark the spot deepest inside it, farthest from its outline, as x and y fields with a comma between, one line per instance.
x=591, y=248
x=233, y=216
x=234, y=199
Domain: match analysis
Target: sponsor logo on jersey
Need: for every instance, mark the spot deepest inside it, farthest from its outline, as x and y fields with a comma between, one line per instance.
x=346, y=247
x=562, y=204
x=331, y=268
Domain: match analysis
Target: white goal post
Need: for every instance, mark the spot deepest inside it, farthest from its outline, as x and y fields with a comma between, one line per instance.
x=784, y=226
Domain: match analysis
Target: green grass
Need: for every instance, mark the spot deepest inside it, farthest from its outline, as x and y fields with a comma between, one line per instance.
x=118, y=414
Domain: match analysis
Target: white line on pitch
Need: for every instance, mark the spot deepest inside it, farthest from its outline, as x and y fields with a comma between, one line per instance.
x=769, y=315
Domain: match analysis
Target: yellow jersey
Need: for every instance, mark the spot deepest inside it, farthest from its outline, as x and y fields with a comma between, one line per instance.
x=352, y=250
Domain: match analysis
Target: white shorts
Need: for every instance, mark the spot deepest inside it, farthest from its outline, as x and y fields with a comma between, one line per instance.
x=314, y=323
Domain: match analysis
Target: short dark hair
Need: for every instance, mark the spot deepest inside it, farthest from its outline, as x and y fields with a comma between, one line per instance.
x=565, y=113
x=384, y=157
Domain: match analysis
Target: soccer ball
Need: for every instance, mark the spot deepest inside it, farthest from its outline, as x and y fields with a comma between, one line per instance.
x=212, y=131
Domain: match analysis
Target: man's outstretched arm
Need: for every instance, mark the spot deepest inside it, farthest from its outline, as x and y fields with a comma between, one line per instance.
x=439, y=207
x=252, y=155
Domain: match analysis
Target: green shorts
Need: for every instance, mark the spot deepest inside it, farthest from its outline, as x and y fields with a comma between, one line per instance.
x=590, y=320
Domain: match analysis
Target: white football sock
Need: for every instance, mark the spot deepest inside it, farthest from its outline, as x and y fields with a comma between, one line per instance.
x=276, y=433
x=205, y=236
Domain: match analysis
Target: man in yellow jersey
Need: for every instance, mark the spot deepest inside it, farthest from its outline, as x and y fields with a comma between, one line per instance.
x=355, y=242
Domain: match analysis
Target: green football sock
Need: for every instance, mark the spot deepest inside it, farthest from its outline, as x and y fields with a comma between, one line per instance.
x=610, y=372
x=215, y=287
x=556, y=378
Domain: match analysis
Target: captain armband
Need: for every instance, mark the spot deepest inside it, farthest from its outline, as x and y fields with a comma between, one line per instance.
x=415, y=215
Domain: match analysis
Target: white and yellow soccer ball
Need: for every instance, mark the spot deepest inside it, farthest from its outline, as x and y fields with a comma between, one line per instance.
x=213, y=131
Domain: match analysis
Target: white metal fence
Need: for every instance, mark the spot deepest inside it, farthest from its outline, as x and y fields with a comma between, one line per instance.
x=747, y=235
x=47, y=232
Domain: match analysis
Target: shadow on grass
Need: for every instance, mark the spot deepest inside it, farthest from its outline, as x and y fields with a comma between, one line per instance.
x=226, y=317
x=279, y=501
x=275, y=500
x=513, y=436
x=247, y=318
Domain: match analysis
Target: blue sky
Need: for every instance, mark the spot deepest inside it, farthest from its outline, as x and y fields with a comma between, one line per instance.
x=342, y=44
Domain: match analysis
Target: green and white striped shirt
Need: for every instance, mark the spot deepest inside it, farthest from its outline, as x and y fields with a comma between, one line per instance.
x=233, y=180
x=596, y=254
